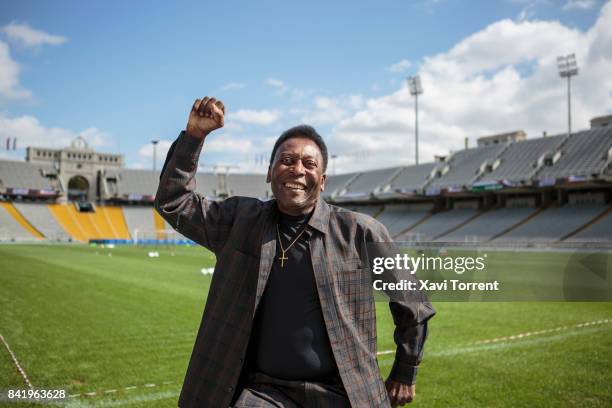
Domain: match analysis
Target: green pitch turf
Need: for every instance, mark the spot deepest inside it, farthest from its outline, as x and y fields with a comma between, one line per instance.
x=116, y=328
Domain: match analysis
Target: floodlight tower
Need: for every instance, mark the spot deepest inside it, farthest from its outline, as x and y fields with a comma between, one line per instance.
x=414, y=84
x=155, y=142
x=333, y=160
x=568, y=68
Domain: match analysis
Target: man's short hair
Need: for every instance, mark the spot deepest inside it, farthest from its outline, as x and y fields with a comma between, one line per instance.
x=304, y=131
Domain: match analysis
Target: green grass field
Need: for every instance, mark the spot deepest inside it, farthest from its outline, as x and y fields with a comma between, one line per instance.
x=120, y=326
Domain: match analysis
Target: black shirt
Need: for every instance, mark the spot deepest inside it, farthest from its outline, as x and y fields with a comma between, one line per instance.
x=290, y=339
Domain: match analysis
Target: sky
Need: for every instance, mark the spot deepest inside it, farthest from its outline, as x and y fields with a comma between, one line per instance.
x=124, y=73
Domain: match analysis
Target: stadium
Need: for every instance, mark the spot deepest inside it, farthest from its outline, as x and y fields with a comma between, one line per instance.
x=87, y=262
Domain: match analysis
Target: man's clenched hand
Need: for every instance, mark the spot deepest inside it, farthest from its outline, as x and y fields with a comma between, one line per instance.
x=400, y=393
x=206, y=115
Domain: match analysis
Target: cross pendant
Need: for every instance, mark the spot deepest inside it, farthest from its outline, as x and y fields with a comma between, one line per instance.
x=283, y=258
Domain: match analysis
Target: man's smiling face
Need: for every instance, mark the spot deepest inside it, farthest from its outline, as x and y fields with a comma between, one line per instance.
x=296, y=175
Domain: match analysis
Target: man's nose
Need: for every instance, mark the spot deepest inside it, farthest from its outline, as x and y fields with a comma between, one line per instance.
x=298, y=168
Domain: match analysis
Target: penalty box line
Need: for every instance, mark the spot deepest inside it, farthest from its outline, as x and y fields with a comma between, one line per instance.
x=523, y=335
x=19, y=368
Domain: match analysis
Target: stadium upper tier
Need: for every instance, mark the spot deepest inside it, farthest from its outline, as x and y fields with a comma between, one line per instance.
x=23, y=175
x=465, y=166
x=368, y=182
x=520, y=161
x=249, y=185
x=585, y=154
x=143, y=182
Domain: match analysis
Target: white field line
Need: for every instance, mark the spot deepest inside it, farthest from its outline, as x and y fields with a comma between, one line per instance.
x=115, y=390
x=21, y=371
x=525, y=334
x=479, y=342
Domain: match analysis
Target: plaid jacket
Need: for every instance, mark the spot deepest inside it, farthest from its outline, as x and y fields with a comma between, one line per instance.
x=241, y=232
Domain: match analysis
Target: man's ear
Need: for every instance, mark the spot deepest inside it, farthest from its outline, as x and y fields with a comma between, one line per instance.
x=323, y=178
x=269, y=176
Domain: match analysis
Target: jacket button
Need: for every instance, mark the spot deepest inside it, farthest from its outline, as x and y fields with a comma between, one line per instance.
x=230, y=389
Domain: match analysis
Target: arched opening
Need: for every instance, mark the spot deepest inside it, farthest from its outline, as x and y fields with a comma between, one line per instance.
x=78, y=189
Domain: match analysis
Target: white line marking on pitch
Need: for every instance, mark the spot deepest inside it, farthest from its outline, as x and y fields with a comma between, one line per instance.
x=523, y=335
x=114, y=390
x=23, y=374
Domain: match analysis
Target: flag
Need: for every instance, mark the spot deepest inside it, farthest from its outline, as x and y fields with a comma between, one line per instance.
x=14, y=143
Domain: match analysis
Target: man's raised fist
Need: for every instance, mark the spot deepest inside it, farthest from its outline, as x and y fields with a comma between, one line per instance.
x=207, y=114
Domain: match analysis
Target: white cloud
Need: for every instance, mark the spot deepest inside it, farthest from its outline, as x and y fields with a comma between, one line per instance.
x=399, y=67
x=579, y=4
x=327, y=110
x=29, y=132
x=257, y=117
x=9, y=76
x=330, y=110
x=28, y=37
x=501, y=78
x=147, y=150
x=526, y=13
x=278, y=84
x=233, y=86
x=227, y=144
x=236, y=127
x=97, y=138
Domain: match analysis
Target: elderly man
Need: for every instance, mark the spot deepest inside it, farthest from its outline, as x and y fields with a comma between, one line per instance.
x=290, y=319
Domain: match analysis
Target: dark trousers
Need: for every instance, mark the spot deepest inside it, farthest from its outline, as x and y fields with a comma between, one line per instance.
x=264, y=391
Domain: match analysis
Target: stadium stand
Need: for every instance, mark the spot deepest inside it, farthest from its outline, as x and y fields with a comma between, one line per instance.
x=208, y=184
x=550, y=190
x=371, y=210
x=12, y=227
x=598, y=231
x=113, y=216
x=400, y=217
x=409, y=180
x=249, y=185
x=23, y=175
x=584, y=153
x=520, y=160
x=65, y=217
x=368, y=183
x=438, y=224
x=143, y=182
x=465, y=166
x=488, y=225
x=139, y=219
x=336, y=185
x=39, y=215
x=552, y=224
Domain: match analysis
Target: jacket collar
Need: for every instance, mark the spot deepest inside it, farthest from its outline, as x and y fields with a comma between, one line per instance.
x=319, y=219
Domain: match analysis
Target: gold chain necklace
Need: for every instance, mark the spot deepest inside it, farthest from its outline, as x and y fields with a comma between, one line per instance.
x=283, y=258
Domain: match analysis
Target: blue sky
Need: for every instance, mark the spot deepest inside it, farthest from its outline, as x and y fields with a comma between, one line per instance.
x=125, y=72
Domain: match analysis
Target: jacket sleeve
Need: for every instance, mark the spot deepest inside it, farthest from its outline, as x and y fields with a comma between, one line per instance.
x=410, y=310
x=206, y=222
